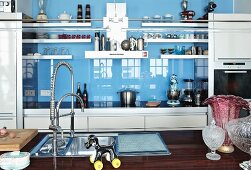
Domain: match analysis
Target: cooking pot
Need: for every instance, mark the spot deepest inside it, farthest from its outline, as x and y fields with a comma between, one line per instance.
x=127, y=97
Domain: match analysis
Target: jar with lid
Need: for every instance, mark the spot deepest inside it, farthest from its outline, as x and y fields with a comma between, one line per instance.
x=187, y=98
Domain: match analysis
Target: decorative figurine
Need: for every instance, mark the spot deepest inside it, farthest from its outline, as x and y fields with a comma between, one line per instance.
x=209, y=8
x=102, y=151
x=173, y=93
x=186, y=14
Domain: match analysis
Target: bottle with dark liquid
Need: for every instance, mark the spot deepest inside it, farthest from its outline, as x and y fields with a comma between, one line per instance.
x=78, y=104
x=88, y=13
x=80, y=13
x=85, y=97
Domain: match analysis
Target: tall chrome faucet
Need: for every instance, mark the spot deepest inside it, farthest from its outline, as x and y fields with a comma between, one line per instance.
x=55, y=116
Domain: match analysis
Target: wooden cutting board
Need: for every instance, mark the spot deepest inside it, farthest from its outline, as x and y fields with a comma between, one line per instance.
x=17, y=143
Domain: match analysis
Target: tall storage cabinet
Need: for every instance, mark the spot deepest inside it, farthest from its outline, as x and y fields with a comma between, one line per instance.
x=10, y=70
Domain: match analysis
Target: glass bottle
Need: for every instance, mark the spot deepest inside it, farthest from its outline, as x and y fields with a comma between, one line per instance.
x=88, y=13
x=85, y=97
x=80, y=13
x=78, y=104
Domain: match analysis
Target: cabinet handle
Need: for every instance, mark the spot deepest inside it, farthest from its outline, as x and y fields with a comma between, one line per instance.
x=5, y=114
x=233, y=58
x=242, y=72
x=6, y=118
x=117, y=54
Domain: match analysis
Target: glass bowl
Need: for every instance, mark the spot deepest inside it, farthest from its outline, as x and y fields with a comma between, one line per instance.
x=239, y=131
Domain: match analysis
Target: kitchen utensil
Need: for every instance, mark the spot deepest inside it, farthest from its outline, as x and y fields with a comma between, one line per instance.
x=188, y=96
x=125, y=45
x=17, y=143
x=157, y=36
x=153, y=103
x=163, y=50
x=42, y=17
x=170, y=50
x=15, y=160
x=127, y=97
x=146, y=19
x=113, y=45
x=140, y=44
x=133, y=43
x=168, y=18
x=64, y=17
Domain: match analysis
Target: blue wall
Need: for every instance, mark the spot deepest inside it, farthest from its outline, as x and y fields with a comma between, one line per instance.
x=105, y=77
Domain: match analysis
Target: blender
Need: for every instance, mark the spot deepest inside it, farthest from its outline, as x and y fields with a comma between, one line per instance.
x=187, y=98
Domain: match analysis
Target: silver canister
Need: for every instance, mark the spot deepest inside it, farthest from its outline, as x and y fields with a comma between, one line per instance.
x=96, y=41
x=140, y=44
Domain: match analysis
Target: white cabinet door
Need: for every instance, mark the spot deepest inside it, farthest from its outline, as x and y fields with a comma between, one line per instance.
x=123, y=123
x=8, y=122
x=231, y=39
x=175, y=122
x=8, y=41
x=43, y=122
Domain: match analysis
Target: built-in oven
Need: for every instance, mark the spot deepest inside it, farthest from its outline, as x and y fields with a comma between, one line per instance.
x=232, y=81
x=233, y=78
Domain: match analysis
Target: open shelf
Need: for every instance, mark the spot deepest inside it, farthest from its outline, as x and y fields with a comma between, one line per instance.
x=32, y=25
x=163, y=40
x=46, y=57
x=184, y=56
x=56, y=40
x=171, y=24
x=116, y=54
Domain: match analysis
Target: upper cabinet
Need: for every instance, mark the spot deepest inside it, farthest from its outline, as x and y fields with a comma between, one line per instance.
x=230, y=37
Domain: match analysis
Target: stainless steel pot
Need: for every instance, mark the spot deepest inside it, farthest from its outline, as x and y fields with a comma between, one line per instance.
x=128, y=97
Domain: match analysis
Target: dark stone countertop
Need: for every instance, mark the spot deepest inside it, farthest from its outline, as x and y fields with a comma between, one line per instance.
x=188, y=152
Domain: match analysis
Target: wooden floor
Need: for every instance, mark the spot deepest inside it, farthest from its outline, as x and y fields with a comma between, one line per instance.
x=187, y=148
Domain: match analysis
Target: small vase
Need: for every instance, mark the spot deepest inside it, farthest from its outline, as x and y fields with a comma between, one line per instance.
x=224, y=109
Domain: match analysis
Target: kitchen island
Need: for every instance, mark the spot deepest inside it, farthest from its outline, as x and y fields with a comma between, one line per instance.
x=187, y=152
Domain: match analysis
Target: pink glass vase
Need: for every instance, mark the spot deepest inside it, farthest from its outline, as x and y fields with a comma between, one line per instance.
x=224, y=109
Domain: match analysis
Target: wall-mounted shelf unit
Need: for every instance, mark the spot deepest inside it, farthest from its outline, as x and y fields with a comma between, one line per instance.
x=56, y=40
x=116, y=54
x=49, y=25
x=46, y=57
x=163, y=40
x=171, y=24
x=184, y=56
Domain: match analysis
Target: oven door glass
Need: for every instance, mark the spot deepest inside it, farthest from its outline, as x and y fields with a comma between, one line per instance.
x=235, y=82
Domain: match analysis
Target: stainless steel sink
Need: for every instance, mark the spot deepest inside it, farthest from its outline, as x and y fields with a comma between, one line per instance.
x=70, y=146
x=77, y=147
